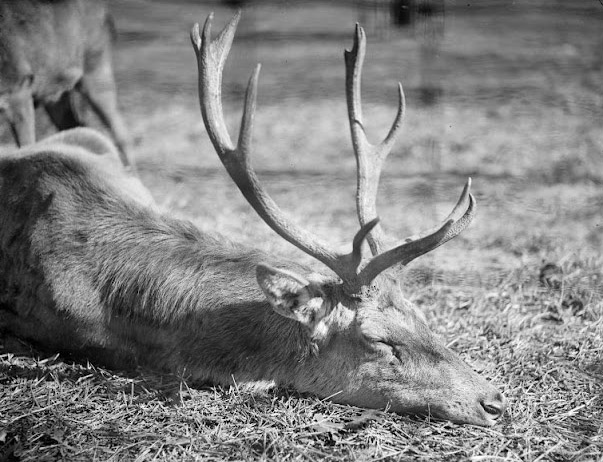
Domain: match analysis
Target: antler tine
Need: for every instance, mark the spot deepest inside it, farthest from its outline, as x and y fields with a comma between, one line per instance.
x=418, y=245
x=210, y=58
x=369, y=158
x=463, y=219
x=361, y=235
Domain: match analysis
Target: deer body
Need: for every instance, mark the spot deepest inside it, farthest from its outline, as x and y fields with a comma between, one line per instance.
x=92, y=272
x=48, y=51
x=79, y=278
x=89, y=266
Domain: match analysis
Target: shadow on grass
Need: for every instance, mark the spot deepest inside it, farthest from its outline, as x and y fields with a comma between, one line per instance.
x=20, y=360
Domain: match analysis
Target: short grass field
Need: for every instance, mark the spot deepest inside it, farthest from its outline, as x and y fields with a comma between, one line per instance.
x=518, y=107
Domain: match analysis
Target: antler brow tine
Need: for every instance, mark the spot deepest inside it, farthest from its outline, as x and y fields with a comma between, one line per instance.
x=418, y=245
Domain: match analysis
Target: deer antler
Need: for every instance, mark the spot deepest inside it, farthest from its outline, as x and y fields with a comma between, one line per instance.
x=211, y=57
x=369, y=161
x=369, y=158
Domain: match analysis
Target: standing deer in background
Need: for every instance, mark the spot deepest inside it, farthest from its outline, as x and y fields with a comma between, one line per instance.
x=89, y=268
x=48, y=51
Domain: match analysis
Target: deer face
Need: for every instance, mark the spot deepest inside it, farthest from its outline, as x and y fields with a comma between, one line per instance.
x=375, y=350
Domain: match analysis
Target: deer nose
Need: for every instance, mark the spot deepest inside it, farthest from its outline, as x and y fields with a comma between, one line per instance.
x=495, y=406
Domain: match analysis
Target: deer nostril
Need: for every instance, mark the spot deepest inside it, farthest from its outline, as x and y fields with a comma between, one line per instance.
x=494, y=408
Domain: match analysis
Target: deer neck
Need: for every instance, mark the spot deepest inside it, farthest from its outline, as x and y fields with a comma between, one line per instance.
x=190, y=303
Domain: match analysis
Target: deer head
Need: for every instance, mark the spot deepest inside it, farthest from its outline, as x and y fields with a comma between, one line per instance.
x=370, y=346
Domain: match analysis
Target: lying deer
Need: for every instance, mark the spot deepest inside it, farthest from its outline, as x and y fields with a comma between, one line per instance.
x=48, y=52
x=89, y=267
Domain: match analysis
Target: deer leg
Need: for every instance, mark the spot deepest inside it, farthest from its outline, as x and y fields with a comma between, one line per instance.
x=98, y=89
x=21, y=117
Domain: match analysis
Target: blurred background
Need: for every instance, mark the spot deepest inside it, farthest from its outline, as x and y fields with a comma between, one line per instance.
x=509, y=93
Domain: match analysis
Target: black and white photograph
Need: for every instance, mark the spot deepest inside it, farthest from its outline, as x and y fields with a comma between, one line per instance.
x=276, y=230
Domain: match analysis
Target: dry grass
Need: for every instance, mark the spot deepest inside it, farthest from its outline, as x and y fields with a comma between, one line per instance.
x=545, y=355
x=520, y=112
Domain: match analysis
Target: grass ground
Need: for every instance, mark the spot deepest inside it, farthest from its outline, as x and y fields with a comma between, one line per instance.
x=520, y=111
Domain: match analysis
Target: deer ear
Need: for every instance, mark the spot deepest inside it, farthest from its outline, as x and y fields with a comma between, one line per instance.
x=291, y=295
